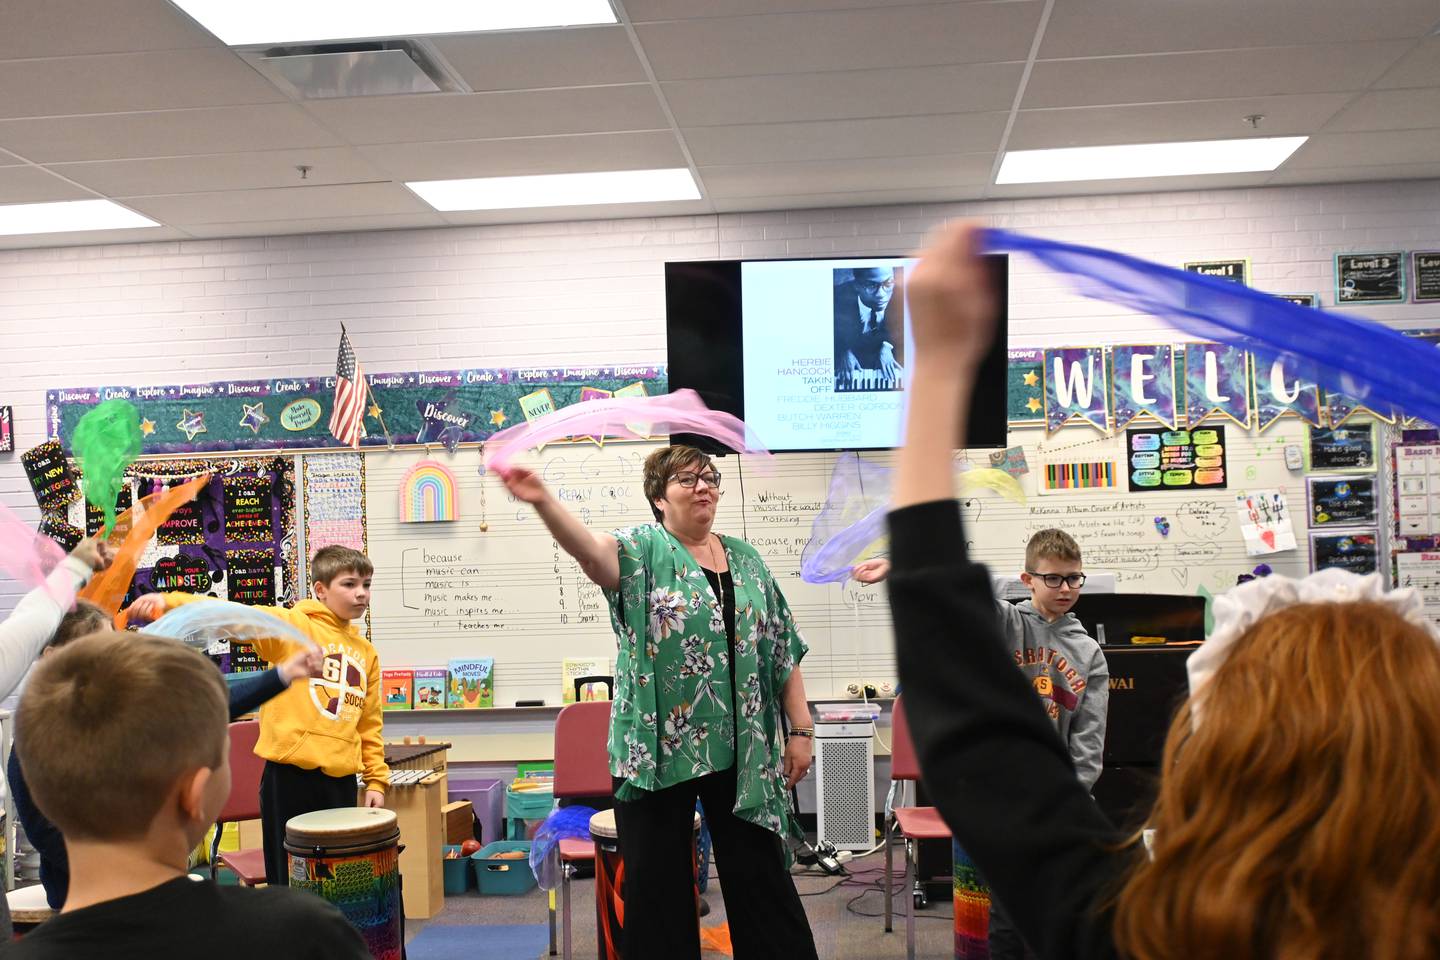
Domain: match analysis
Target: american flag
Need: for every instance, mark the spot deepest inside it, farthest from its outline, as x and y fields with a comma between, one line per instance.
x=345, y=421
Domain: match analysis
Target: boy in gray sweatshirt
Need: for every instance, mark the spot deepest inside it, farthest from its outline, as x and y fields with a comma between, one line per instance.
x=1063, y=663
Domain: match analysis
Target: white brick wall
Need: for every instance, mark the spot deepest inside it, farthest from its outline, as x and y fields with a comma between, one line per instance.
x=592, y=292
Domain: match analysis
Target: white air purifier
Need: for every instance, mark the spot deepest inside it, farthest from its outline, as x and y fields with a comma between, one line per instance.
x=845, y=783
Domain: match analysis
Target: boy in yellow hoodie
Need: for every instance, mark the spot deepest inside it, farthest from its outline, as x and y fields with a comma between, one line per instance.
x=315, y=736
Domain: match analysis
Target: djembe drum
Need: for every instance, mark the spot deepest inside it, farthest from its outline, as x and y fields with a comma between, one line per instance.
x=351, y=857
x=610, y=884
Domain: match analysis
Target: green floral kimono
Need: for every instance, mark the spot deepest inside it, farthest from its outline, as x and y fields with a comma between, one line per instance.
x=675, y=716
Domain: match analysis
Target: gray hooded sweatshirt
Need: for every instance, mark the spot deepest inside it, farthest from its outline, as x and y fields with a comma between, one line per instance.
x=1068, y=670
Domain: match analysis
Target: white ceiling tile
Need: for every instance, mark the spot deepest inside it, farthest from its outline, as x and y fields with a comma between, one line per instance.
x=267, y=228
x=475, y=116
x=527, y=155
x=68, y=28
x=1109, y=27
x=229, y=171
x=113, y=83
x=304, y=203
x=1418, y=68
x=1375, y=149
x=1364, y=172
x=640, y=11
x=1164, y=122
x=968, y=88
x=1207, y=76
x=81, y=238
x=525, y=59
x=173, y=133
x=840, y=40
x=846, y=139
x=834, y=176
x=1390, y=110
x=34, y=185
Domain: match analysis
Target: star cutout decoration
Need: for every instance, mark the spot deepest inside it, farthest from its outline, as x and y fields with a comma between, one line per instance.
x=1031, y=379
x=254, y=417
x=147, y=426
x=374, y=410
x=498, y=418
x=192, y=422
x=1033, y=404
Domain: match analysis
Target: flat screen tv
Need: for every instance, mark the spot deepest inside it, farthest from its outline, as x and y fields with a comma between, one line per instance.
x=812, y=354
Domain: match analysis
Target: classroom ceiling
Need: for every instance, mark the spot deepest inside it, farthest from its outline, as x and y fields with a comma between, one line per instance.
x=773, y=104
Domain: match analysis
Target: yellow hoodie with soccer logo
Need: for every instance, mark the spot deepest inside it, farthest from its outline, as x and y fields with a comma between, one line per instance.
x=332, y=722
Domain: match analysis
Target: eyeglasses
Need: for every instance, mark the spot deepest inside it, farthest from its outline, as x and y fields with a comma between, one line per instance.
x=1053, y=580
x=873, y=285
x=690, y=478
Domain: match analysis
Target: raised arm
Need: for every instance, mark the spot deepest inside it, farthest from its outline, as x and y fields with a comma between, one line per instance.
x=597, y=553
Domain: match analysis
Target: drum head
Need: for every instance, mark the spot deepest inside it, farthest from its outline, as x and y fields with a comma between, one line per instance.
x=602, y=825
x=345, y=829
x=28, y=904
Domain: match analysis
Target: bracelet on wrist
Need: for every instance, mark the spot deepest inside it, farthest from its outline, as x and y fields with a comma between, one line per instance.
x=808, y=734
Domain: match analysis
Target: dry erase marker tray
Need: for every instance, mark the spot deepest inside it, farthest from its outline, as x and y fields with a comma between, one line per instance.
x=843, y=712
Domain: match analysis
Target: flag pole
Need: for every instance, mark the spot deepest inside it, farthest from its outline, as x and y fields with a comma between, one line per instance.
x=377, y=412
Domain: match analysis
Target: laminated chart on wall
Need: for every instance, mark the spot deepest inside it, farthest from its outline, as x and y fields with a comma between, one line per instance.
x=334, y=489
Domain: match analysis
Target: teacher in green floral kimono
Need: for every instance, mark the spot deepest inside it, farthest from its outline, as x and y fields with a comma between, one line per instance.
x=707, y=685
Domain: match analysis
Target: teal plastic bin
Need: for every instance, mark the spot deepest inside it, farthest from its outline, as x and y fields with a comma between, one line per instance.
x=459, y=871
x=525, y=810
x=504, y=877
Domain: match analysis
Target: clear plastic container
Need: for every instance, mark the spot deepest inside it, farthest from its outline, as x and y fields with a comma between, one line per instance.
x=843, y=712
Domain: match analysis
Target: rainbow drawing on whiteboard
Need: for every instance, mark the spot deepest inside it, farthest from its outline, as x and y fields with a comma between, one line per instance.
x=427, y=493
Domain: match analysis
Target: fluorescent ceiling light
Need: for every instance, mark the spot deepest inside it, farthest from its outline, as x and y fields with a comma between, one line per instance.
x=558, y=190
x=1146, y=160
x=244, y=22
x=70, y=215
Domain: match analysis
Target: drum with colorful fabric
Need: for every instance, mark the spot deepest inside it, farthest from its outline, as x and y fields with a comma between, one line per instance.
x=972, y=909
x=351, y=857
x=610, y=883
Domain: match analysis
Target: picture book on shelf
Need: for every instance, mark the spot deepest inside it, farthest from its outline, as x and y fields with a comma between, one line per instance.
x=572, y=668
x=429, y=686
x=398, y=687
x=472, y=683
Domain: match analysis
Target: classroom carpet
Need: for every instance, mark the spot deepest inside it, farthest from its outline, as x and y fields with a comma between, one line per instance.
x=475, y=941
x=841, y=933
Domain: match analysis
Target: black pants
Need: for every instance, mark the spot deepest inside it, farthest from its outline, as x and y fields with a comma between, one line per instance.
x=1005, y=941
x=286, y=792
x=657, y=841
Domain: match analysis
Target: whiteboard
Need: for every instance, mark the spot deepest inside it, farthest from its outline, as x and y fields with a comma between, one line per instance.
x=447, y=590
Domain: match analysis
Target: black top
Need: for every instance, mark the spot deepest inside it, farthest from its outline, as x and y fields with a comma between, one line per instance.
x=245, y=695
x=183, y=916
x=992, y=761
x=724, y=586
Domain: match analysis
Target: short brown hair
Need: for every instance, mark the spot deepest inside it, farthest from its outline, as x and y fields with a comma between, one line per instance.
x=329, y=562
x=661, y=465
x=84, y=620
x=1051, y=544
x=121, y=716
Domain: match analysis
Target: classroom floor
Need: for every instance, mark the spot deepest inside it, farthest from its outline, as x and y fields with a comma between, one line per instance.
x=839, y=933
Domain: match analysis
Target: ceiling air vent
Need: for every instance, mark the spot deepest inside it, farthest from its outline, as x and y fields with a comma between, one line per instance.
x=369, y=68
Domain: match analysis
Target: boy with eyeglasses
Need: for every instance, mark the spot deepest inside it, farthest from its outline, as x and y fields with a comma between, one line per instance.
x=1062, y=662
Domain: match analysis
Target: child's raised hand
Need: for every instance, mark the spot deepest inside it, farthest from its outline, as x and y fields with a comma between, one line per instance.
x=871, y=571
x=307, y=663
x=952, y=303
x=147, y=608
x=525, y=485
x=94, y=553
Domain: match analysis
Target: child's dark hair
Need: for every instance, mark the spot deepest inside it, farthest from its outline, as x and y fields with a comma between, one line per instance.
x=84, y=620
x=329, y=562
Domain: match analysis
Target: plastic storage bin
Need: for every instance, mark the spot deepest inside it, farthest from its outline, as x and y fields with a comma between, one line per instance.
x=459, y=871
x=504, y=877
x=488, y=796
x=525, y=810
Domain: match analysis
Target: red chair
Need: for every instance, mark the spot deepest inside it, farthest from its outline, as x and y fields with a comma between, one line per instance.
x=582, y=769
x=243, y=804
x=915, y=823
